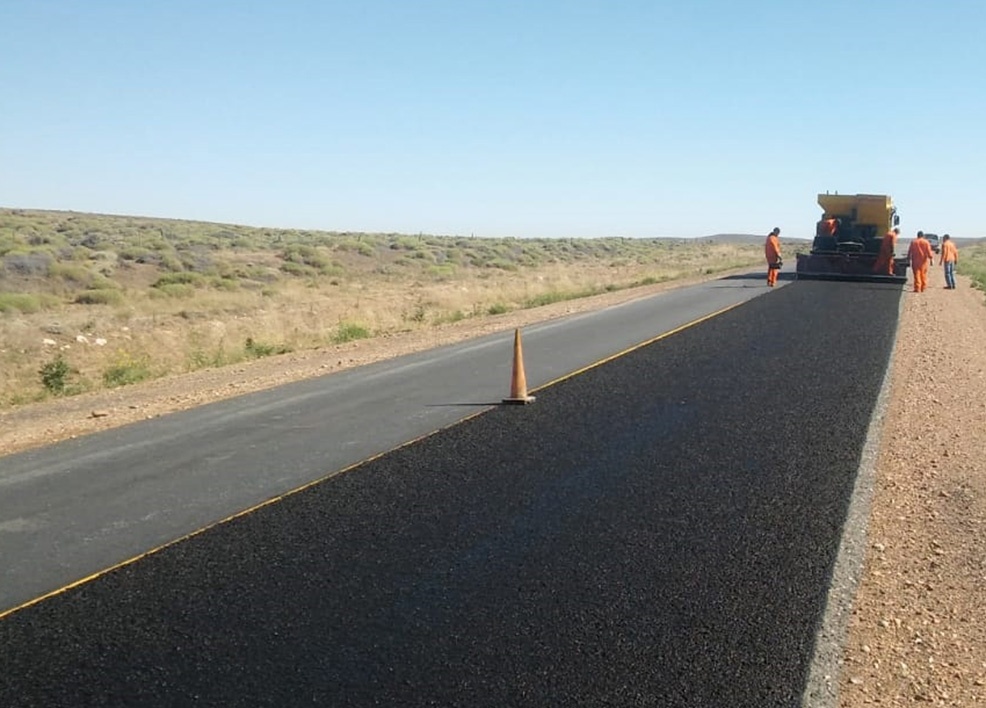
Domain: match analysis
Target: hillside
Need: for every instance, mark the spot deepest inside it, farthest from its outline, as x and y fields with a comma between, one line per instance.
x=90, y=300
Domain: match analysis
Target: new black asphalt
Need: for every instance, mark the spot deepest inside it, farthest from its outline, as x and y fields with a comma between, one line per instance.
x=658, y=530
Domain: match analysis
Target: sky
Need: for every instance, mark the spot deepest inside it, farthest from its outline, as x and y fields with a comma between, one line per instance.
x=494, y=118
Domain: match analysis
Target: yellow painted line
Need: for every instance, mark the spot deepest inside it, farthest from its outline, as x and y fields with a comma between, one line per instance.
x=635, y=347
x=308, y=485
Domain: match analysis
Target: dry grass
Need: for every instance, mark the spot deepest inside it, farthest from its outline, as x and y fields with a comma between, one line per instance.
x=104, y=301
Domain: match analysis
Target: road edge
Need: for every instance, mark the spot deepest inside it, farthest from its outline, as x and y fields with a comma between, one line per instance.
x=822, y=687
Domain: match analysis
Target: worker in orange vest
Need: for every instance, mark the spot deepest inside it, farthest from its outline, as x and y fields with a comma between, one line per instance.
x=949, y=257
x=772, y=251
x=884, y=264
x=921, y=257
x=827, y=227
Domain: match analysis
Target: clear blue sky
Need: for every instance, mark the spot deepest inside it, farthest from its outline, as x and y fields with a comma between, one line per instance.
x=528, y=118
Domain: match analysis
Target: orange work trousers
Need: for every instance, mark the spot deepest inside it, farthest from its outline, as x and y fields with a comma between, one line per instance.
x=772, y=275
x=921, y=278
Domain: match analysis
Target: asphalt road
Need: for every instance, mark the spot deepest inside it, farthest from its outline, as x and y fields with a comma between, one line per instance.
x=658, y=530
x=72, y=509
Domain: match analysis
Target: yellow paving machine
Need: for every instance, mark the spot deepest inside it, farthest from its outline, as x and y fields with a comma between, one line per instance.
x=848, y=239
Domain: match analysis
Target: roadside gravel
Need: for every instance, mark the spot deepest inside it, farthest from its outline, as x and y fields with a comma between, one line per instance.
x=917, y=633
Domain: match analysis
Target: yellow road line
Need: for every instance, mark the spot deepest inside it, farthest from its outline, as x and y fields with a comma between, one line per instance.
x=231, y=517
x=308, y=485
x=645, y=343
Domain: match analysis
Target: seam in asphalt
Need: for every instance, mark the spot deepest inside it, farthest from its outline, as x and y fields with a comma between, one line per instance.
x=824, y=673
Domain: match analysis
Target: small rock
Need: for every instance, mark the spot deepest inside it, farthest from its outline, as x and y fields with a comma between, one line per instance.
x=99, y=414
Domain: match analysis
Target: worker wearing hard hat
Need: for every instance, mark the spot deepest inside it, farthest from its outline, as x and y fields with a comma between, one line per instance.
x=884, y=264
x=772, y=251
x=921, y=257
x=949, y=257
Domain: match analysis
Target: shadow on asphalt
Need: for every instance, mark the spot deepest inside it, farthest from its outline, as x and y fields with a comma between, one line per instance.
x=758, y=275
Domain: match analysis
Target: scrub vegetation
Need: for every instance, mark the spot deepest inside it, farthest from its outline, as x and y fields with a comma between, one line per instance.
x=91, y=301
x=972, y=263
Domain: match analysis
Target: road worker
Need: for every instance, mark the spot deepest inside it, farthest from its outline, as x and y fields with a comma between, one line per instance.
x=921, y=257
x=949, y=257
x=772, y=251
x=827, y=227
x=884, y=264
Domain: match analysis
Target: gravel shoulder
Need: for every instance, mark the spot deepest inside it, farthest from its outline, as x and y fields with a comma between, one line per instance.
x=917, y=632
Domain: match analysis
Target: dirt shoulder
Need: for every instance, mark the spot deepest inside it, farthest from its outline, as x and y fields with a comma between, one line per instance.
x=918, y=629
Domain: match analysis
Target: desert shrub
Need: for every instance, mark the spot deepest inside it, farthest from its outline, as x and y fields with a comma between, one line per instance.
x=502, y=264
x=257, y=350
x=348, y=332
x=418, y=314
x=101, y=296
x=20, y=302
x=497, y=308
x=127, y=369
x=450, y=317
x=180, y=278
x=55, y=375
x=225, y=283
x=171, y=262
x=972, y=263
x=297, y=269
x=173, y=290
x=138, y=254
x=28, y=263
x=71, y=272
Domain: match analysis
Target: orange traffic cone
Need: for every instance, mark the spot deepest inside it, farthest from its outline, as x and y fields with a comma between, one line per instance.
x=518, y=382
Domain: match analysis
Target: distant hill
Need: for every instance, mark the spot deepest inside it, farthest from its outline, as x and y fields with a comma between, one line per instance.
x=745, y=239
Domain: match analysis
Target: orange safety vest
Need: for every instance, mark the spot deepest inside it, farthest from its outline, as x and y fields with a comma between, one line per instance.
x=772, y=249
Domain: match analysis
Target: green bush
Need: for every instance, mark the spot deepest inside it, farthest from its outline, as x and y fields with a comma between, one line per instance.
x=127, y=369
x=72, y=273
x=297, y=269
x=972, y=263
x=257, y=350
x=100, y=297
x=349, y=331
x=55, y=374
x=180, y=278
x=174, y=290
x=19, y=302
x=497, y=308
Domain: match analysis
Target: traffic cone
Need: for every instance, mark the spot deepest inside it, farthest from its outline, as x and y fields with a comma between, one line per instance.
x=518, y=382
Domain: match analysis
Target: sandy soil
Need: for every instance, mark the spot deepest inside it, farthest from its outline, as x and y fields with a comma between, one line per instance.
x=917, y=632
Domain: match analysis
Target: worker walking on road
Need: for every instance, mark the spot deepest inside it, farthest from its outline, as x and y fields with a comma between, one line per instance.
x=949, y=257
x=921, y=257
x=884, y=264
x=772, y=251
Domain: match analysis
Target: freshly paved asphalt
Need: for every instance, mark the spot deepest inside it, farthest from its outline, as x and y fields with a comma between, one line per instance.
x=77, y=507
x=658, y=530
